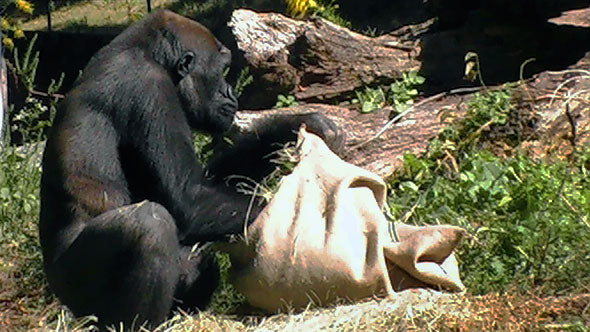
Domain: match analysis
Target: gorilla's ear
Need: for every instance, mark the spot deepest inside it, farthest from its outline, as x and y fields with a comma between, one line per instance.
x=185, y=64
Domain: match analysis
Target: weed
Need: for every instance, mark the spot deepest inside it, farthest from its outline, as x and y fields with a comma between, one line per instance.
x=201, y=144
x=330, y=11
x=225, y=299
x=26, y=67
x=20, y=173
x=529, y=218
x=244, y=79
x=285, y=101
x=31, y=122
x=401, y=94
x=485, y=110
x=472, y=68
x=370, y=99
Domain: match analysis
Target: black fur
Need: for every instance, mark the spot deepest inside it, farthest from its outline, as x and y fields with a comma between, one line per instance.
x=123, y=197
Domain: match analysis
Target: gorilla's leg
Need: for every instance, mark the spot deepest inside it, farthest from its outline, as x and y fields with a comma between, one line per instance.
x=123, y=266
x=199, y=278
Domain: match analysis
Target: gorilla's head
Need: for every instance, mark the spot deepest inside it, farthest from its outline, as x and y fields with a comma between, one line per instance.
x=197, y=61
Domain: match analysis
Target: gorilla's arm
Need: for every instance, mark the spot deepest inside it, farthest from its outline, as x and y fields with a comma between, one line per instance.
x=248, y=153
x=203, y=211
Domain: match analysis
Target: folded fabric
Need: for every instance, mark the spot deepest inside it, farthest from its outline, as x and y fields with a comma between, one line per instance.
x=323, y=238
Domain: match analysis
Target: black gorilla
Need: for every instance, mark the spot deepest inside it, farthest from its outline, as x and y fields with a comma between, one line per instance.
x=123, y=197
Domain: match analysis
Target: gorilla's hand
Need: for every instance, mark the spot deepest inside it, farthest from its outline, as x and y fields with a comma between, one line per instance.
x=248, y=155
x=325, y=128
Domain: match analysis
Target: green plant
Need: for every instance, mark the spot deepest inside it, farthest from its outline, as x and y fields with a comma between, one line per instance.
x=472, y=68
x=485, y=110
x=529, y=218
x=370, y=31
x=26, y=67
x=10, y=27
x=32, y=121
x=21, y=271
x=285, y=101
x=329, y=10
x=20, y=173
x=244, y=79
x=403, y=92
x=371, y=99
x=29, y=122
x=226, y=298
x=201, y=144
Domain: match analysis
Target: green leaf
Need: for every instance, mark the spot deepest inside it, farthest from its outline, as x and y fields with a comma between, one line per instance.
x=228, y=140
x=463, y=177
x=498, y=266
x=409, y=185
x=368, y=107
x=27, y=207
x=505, y=200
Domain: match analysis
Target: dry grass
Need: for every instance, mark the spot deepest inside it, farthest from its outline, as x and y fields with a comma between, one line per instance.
x=95, y=15
x=414, y=310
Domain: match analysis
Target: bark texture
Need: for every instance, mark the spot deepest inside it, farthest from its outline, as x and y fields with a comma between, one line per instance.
x=315, y=60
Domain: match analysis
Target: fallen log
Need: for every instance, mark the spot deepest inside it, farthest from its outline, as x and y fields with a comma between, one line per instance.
x=364, y=147
x=551, y=118
x=315, y=60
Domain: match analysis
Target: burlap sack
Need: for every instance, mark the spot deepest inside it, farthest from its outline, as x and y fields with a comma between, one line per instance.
x=323, y=237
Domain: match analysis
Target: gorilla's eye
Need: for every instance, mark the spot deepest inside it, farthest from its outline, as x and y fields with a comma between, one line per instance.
x=185, y=64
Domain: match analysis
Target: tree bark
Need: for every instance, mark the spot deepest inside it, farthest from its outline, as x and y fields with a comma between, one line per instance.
x=314, y=60
x=549, y=121
x=382, y=154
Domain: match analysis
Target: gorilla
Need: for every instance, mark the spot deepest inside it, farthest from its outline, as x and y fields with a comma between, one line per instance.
x=124, y=200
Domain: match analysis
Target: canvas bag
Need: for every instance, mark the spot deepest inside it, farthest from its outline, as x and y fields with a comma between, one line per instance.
x=323, y=238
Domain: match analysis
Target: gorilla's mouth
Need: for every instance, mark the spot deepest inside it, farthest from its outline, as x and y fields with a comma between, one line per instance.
x=225, y=117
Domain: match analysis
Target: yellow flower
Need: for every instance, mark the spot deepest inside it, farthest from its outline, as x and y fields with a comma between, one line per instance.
x=24, y=6
x=18, y=33
x=298, y=8
x=8, y=43
x=5, y=25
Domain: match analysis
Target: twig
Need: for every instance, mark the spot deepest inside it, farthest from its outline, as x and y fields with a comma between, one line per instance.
x=411, y=108
x=564, y=83
x=397, y=117
x=539, y=98
x=45, y=94
x=572, y=122
x=569, y=71
x=249, y=211
x=475, y=134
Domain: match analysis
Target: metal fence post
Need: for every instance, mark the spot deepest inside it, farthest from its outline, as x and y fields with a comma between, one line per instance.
x=49, y=7
x=2, y=96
